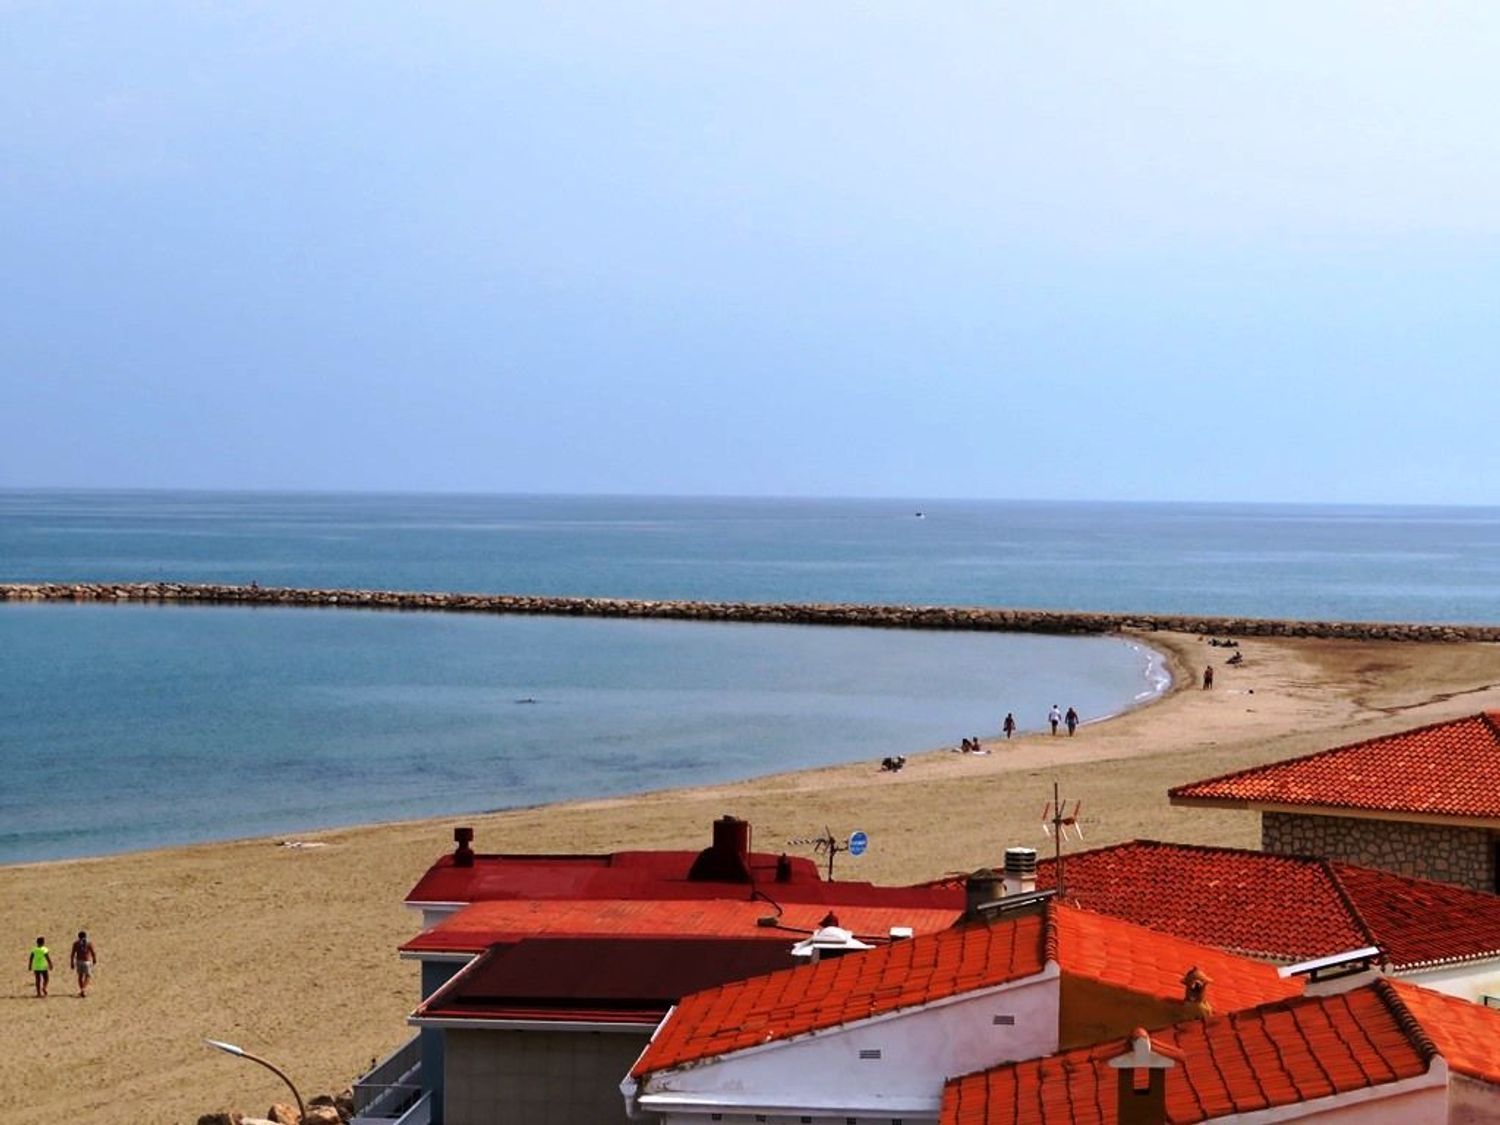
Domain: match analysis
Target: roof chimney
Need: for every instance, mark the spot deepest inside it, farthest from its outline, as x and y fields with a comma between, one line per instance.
x=980, y=888
x=463, y=855
x=1020, y=871
x=727, y=859
x=1195, y=984
x=1141, y=1088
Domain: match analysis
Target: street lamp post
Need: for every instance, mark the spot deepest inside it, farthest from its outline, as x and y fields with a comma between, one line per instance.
x=240, y=1052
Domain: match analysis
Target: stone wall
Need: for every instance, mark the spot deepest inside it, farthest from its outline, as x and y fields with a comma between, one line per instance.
x=878, y=616
x=1447, y=853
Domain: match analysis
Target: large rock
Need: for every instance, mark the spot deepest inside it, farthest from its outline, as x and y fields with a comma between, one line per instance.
x=283, y=1114
x=224, y=1117
x=322, y=1115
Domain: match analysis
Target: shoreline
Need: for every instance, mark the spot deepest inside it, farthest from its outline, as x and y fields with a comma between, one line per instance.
x=291, y=951
x=1159, y=654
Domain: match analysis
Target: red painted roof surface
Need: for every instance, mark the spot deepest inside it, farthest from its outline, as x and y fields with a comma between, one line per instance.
x=1276, y=1055
x=634, y=980
x=964, y=959
x=653, y=875
x=1466, y=1035
x=482, y=924
x=1288, y=908
x=1447, y=769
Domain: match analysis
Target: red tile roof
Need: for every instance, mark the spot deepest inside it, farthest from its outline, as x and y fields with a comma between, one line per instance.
x=964, y=959
x=1276, y=1055
x=1466, y=1035
x=1286, y=908
x=632, y=980
x=480, y=925
x=1447, y=769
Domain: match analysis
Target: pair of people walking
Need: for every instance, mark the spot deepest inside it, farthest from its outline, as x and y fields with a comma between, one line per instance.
x=81, y=960
x=1055, y=716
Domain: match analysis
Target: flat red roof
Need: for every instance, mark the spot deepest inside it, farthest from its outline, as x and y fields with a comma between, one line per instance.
x=479, y=925
x=1447, y=770
x=725, y=869
x=1287, y=908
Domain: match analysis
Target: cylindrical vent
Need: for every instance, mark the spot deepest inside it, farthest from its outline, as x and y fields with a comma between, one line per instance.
x=1020, y=863
x=980, y=888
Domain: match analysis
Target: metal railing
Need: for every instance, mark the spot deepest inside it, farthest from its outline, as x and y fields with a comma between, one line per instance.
x=392, y=1086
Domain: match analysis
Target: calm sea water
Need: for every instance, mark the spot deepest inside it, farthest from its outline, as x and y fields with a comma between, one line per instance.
x=133, y=726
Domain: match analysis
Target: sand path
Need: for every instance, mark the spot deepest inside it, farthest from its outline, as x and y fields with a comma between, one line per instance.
x=291, y=952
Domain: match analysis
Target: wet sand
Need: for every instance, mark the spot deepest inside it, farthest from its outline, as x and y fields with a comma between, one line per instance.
x=290, y=952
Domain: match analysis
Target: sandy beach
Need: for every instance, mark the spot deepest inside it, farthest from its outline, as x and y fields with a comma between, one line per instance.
x=290, y=952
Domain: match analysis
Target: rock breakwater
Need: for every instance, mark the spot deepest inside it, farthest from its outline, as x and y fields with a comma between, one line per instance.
x=973, y=618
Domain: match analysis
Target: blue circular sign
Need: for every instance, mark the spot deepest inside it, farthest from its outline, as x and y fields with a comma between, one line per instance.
x=858, y=843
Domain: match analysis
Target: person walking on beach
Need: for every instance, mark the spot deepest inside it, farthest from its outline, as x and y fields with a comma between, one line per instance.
x=1208, y=677
x=1054, y=717
x=40, y=963
x=1072, y=720
x=82, y=960
x=1009, y=726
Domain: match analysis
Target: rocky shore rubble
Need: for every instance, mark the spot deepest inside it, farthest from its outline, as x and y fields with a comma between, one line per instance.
x=325, y=1109
x=869, y=616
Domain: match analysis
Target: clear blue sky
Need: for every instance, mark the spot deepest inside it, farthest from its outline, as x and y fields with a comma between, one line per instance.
x=1124, y=251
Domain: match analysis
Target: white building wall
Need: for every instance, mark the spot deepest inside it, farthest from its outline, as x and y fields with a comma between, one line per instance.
x=917, y=1050
x=1469, y=981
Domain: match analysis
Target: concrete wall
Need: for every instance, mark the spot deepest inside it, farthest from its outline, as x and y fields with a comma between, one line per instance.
x=880, y=616
x=1471, y=1102
x=536, y=1077
x=1446, y=853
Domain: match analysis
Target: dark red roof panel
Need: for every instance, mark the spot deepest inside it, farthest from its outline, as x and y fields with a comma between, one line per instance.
x=1447, y=769
x=587, y=978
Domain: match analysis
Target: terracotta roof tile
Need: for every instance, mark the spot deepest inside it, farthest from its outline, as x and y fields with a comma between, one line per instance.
x=1276, y=1055
x=968, y=957
x=1447, y=769
x=1466, y=1035
x=1286, y=908
x=832, y=992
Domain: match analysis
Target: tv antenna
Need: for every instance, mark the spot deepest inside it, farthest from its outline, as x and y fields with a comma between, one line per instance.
x=1057, y=822
x=826, y=844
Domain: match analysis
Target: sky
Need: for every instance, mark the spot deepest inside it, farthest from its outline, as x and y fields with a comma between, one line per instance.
x=1098, y=251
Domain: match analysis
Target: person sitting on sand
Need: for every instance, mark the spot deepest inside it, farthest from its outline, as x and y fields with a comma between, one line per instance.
x=40, y=963
x=1009, y=726
x=82, y=959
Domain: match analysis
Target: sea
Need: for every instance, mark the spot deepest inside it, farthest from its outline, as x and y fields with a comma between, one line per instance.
x=132, y=726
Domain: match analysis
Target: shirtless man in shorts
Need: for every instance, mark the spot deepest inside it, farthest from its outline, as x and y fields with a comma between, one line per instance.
x=82, y=961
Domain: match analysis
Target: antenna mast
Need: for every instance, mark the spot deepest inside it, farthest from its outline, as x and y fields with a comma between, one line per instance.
x=1056, y=821
x=826, y=844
